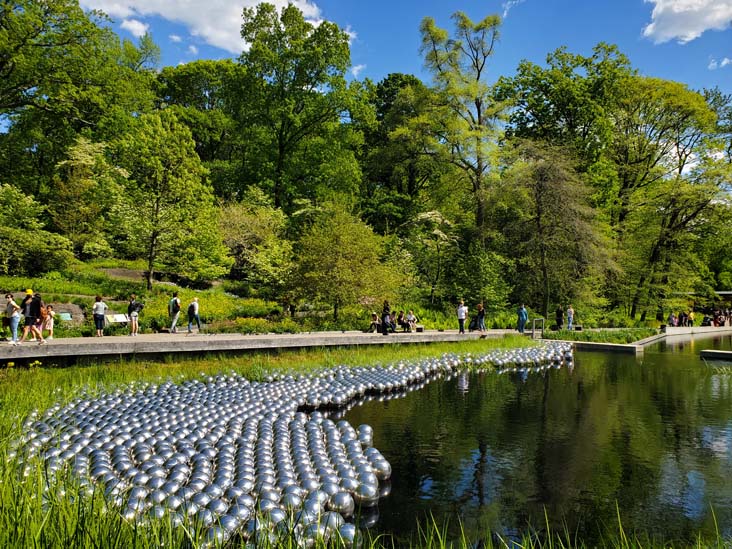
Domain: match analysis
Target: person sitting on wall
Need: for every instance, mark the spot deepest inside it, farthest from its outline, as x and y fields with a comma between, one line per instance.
x=402, y=322
x=375, y=323
x=412, y=320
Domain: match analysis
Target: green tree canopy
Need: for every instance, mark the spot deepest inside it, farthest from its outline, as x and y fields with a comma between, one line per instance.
x=339, y=262
x=170, y=212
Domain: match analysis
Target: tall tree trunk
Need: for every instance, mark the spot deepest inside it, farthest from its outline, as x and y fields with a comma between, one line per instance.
x=151, y=259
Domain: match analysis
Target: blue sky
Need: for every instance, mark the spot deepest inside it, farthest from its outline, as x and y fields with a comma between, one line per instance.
x=689, y=41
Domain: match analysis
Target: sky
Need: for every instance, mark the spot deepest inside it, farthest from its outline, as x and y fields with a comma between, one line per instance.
x=689, y=41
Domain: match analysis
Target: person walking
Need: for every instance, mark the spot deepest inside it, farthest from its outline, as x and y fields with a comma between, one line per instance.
x=174, y=311
x=193, y=316
x=385, y=318
x=462, y=314
x=570, y=317
x=98, y=310
x=523, y=316
x=481, y=318
x=12, y=313
x=32, y=305
x=134, y=308
x=559, y=317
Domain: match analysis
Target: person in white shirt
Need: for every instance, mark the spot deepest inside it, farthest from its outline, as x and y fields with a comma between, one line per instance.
x=98, y=310
x=462, y=314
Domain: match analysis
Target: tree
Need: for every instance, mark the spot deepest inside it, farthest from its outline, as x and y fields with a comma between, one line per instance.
x=62, y=74
x=254, y=231
x=339, y=261
x=296, y=94
x=465, y=121
x=550, y=229
x=433, y=243
x=569, y=102
x=170, y=213
x=397, y=171
x=25, y=248
x=86, y=190
x=201, y=93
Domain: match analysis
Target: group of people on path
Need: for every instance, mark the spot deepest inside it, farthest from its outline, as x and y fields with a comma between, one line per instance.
x=559, y=317
x=174, y=308
x=37, y=318
x=390, y=321
x=476, y=323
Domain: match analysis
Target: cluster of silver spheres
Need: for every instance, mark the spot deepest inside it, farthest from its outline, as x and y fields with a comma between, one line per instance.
x=243, y=458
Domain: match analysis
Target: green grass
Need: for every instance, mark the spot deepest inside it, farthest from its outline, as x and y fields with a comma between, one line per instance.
x=630, y=335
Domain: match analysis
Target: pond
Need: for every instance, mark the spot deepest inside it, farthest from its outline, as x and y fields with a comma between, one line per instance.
x=649, y=438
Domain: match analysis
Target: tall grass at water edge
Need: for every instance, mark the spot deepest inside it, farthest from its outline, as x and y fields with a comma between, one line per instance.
x=630, y=335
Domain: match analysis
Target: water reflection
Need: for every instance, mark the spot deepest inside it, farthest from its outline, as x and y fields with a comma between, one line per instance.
x=653, y=436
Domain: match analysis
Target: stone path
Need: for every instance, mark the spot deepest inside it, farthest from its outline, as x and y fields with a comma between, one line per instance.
x=182, y=342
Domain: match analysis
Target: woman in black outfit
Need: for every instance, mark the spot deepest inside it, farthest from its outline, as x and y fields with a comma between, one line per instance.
x=385, y=318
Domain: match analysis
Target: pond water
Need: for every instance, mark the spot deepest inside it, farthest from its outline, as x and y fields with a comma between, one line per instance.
x=649, y=438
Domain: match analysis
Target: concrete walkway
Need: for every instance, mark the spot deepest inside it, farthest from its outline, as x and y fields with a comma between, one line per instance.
x=151, y=344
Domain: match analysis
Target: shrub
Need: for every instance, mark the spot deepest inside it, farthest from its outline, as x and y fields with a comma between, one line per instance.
x=252, y=326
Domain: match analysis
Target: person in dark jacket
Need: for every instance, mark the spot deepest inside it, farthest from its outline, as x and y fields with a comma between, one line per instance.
x=31, y=306
x=385, y=318
x=559, y=317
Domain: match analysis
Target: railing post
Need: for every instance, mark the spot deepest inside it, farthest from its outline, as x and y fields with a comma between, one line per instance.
x=533, y=327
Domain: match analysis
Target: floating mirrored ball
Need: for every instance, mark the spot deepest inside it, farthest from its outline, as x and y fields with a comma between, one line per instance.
x=257, y=459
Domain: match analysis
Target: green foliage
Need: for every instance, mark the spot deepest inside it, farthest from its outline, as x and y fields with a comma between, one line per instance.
x=36, y=252
x=464, y=121
x=339, y=262
x=86, y=189
x=254, y=231
x=170, y=213
x=18, y=211
x=296, y=95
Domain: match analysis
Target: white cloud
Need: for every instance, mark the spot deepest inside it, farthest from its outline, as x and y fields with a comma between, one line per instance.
x=351, y=34
x=175, y=38
x=714, y=64
x=508, y=5
x=356, y=70
x=685, y=20
x=217, y=22
x=136, y=28
x=193, y=50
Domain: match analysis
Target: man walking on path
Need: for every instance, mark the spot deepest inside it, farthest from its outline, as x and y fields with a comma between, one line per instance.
x=523, y=316
x=174, y=311
x=193, y=315
x=462, y=314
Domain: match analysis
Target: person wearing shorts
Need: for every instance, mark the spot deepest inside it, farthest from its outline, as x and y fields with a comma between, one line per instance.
x=31, y=307
x=133, y=311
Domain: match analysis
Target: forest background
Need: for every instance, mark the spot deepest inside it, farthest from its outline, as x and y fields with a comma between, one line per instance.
x=579, y=181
